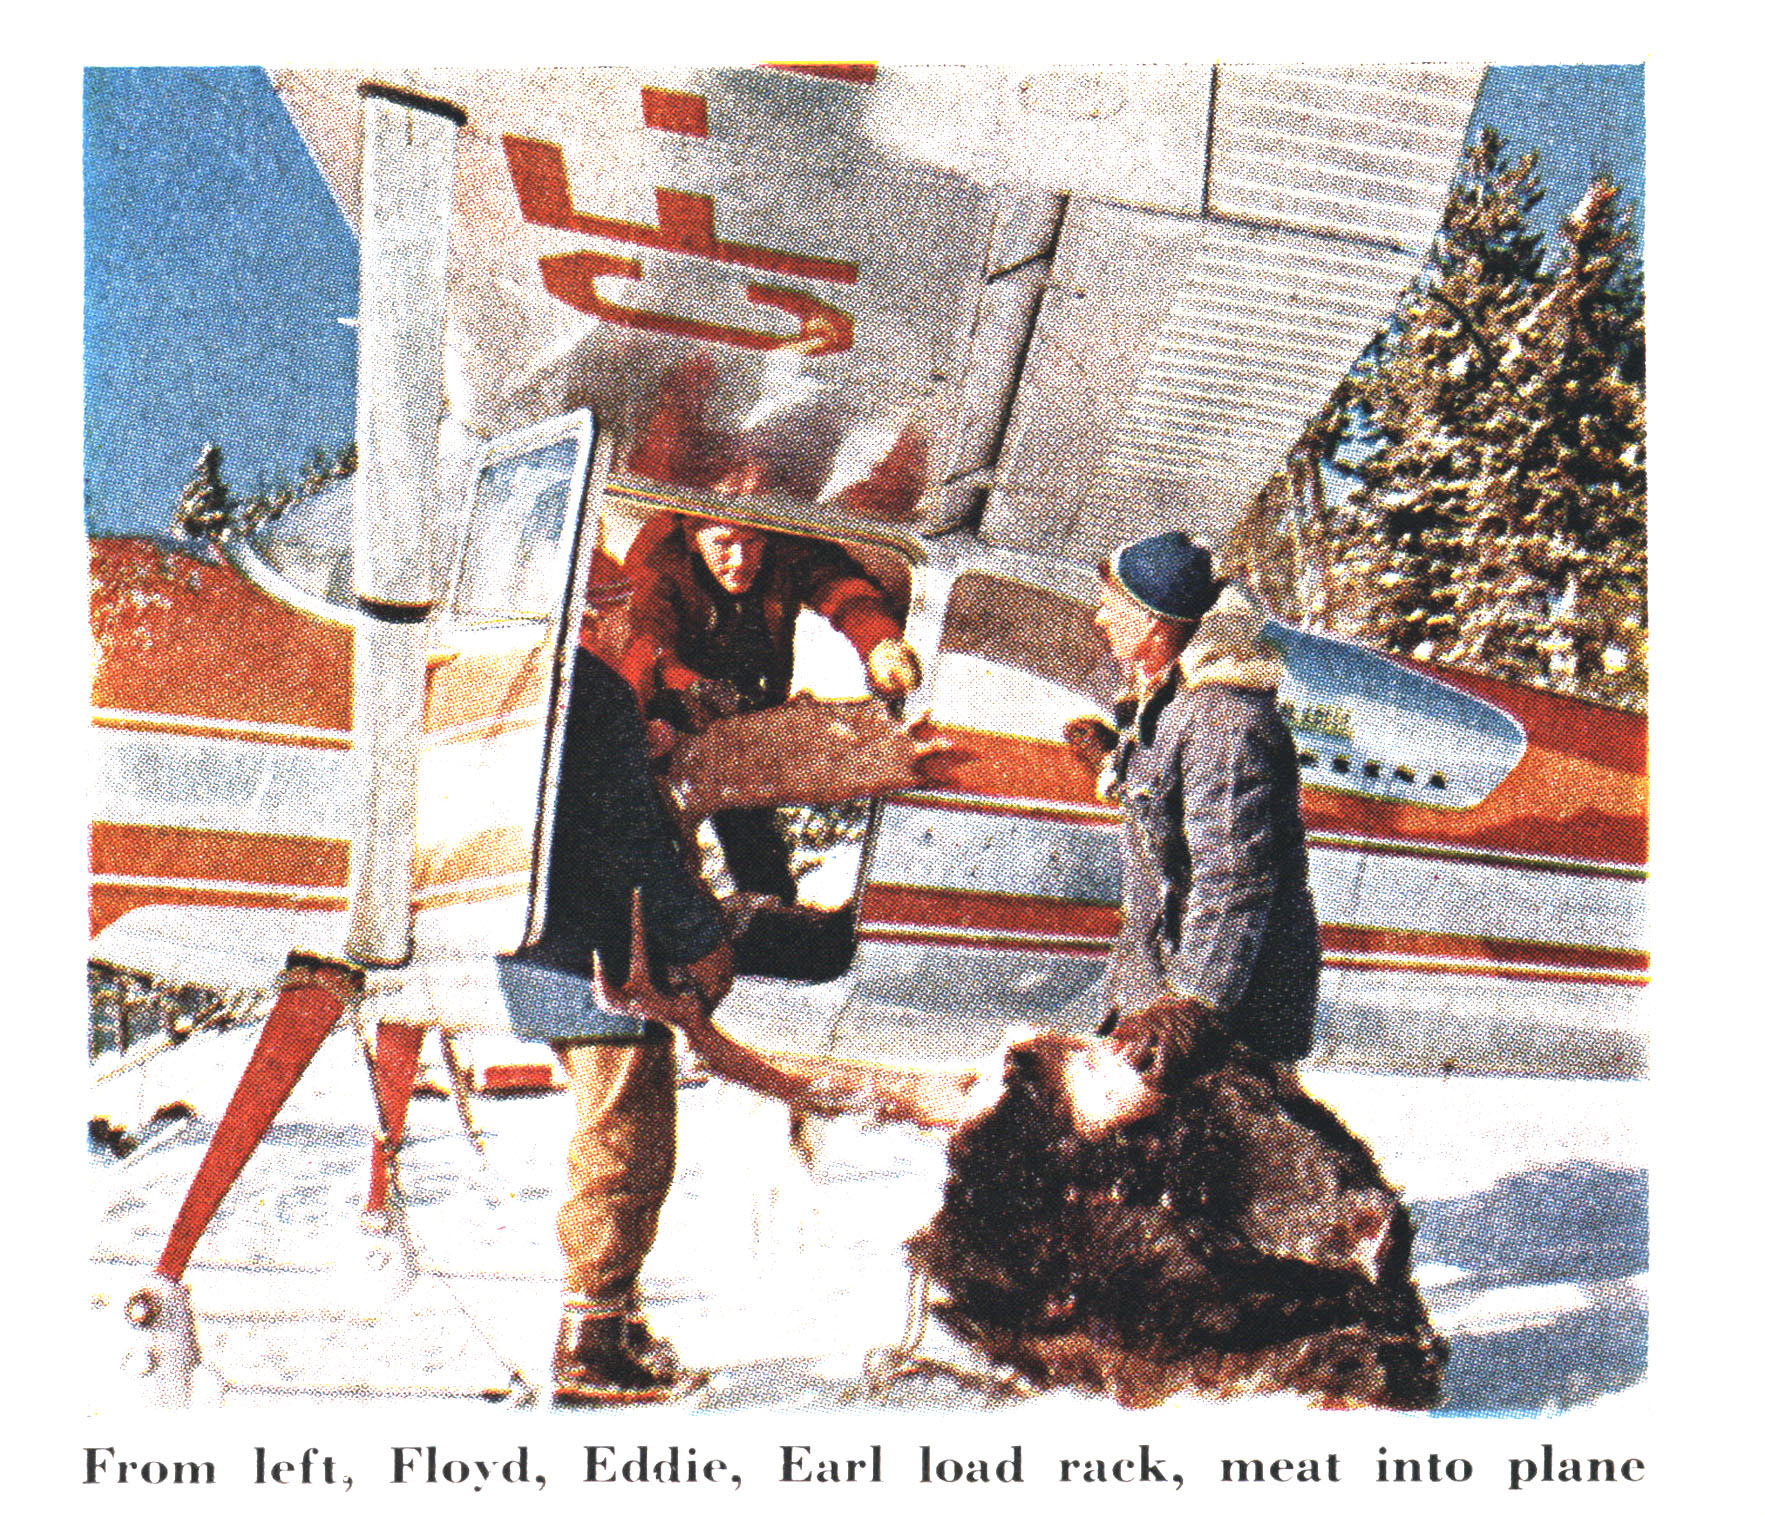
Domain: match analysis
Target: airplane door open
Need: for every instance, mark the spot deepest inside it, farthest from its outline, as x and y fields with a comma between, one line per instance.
x=498, y=685
x=991, y=899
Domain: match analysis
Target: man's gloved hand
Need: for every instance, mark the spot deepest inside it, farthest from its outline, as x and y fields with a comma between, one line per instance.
x=1159, y=1040
x=1091, y=740
x=893, y=667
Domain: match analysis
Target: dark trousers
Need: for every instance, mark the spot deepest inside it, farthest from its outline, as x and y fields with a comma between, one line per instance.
x=755, y=849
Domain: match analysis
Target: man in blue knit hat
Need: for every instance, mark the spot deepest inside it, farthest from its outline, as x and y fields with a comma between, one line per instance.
x=1219, y=939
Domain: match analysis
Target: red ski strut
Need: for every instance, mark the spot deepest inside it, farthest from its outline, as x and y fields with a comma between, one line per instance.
x=313, y=997
x=396, y=1046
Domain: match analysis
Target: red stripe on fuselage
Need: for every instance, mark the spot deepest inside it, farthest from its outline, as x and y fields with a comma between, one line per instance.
x=201, y=853
x=1323, y=842
x=1557, y=803
x=926, y=914
x=109, y=902
x=1085, y=949
x=1339, y=939
x=991, y=910
x=1552, y=805
x=996, y=764
x=1614, y=739
x=1485, y=971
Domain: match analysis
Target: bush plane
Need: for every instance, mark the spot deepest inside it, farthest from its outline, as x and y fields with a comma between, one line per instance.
x=978, y=327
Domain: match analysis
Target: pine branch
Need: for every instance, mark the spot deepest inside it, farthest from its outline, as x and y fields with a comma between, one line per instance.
x=1475, y=336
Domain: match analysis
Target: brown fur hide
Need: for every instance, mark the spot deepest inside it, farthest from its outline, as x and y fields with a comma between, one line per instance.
x=1235, y=1239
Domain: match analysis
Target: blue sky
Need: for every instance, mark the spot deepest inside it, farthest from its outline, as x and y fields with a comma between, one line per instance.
x=217, y=266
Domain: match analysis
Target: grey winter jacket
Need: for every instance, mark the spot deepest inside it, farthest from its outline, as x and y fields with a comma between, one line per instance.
x=1215, y=899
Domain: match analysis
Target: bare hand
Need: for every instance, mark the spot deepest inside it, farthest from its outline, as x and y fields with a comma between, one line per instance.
x=708, y=700
x=926, y=740
x=681, y=1009
x=893, y=667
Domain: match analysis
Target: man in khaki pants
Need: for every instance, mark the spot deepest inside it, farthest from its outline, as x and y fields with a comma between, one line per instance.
x=612, y=837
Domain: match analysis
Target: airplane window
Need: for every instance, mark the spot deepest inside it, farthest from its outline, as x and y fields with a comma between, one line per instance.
x=1060, y=665
x=1023, y=660
x=1359, y=708
x=513, y=569
x=308, y=543
x=1030, y=628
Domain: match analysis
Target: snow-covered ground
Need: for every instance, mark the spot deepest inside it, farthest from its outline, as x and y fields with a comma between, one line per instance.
x=781, y=1273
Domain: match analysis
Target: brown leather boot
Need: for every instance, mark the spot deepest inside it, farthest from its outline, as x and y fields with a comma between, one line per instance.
x=655, y=1352
x=603, y=1359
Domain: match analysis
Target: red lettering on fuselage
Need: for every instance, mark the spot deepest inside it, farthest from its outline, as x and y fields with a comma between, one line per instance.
x=686, y=224
x=823, y=330
x=676, y=111
x=847, y=74
x=686, y=221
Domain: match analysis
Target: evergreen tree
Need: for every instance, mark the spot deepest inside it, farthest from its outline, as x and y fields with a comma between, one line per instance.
x=1425, y=393
x=205, y=508
x=208, y=511
x=1575, y=520
x=1499, y=520
x=270, y=499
